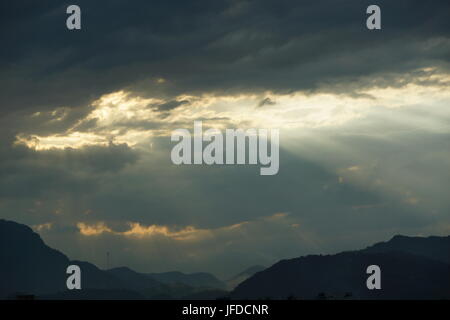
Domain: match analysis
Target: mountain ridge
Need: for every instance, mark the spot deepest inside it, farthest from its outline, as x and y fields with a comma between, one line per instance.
x=412, y=268
x=408, y=272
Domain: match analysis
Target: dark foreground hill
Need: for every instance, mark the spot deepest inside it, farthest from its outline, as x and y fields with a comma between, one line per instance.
x=29, y=266
x=437, y=248
x=411, y=268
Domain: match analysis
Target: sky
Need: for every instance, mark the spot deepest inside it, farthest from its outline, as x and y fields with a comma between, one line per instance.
x=86, y=118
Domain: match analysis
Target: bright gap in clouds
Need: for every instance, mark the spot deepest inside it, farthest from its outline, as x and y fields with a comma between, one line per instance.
x=121, y=117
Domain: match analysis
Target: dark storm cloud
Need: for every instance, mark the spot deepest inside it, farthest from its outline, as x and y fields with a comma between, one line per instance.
x=209, y=46
x=27, y=172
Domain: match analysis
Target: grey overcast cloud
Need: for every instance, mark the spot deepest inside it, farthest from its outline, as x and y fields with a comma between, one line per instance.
x=86, y=118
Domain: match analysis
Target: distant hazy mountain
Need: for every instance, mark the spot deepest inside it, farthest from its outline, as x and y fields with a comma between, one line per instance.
x=212, y=294
x=409, y=270
x=196, y=280
x=135, y=279
x=145, y=285
x=234, y=281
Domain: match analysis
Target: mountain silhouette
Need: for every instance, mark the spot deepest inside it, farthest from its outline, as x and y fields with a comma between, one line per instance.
x=135, y=279
x=30, y=268
x=27, y=264
x=408, y=271
x=147, y=286
x=411, y=268
x=437, y=248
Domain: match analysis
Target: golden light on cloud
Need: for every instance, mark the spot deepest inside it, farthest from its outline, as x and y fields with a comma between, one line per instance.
x=136, y=230
x=139, y=231
x=189, y=233
x=93, y=229
x=73, y=140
